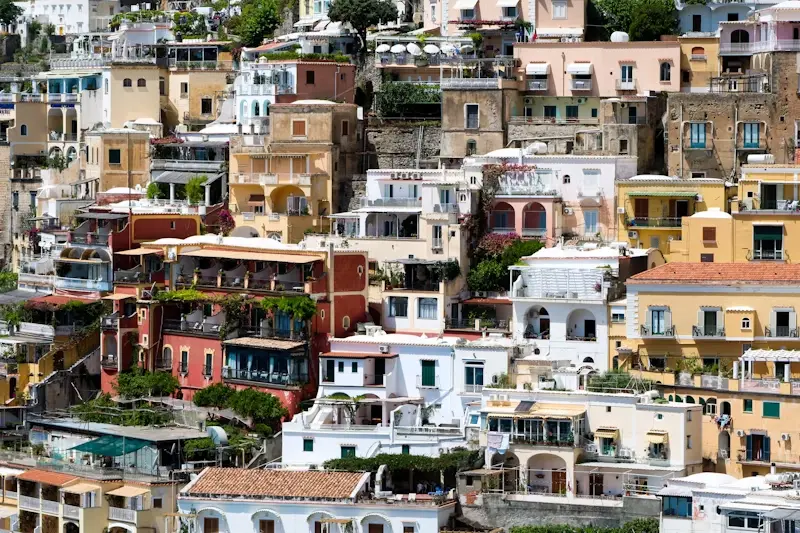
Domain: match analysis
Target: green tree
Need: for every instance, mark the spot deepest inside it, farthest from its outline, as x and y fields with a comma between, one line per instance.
x=153, y=191
x=217, y=395
x=8, y=281
x=486, y=276
x=361, y=14
x=139, y=383
x=195, y=189
x=189, y=24
x=652, y=19
x=9, y=12
x=259, y=20
x=57, y=162
x=260, y=407
x=399, y=99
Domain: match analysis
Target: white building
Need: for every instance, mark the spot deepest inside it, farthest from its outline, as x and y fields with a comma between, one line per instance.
x=561, y=297
x=586, y=444
x=68, y=16
x=413, y=394
x=231, y=500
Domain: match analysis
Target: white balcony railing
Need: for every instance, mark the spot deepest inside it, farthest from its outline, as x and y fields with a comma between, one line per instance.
x=70, y=511
x=427, y=384
x=123, y=515
x=469, y=83
x=626, y=85
x=29, y=503
x=580, y=85
x=537, y=85
x=50, y=507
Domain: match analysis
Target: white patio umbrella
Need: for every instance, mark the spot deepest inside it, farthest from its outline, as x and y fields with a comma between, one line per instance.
x=398, y=49
x=414, y=49
x=466, y=48
x=431, y=49
x=448, y=48
x=383, y=48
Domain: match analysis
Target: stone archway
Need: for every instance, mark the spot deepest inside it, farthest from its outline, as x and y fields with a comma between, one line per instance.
x=547, y=473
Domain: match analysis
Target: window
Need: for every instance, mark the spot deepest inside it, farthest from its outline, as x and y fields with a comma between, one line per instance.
x=734, y=17
x=747, y=406
x=467, y=14
x=594, y=112
x=405, y=449
x=114, y=156
x=23, y=130
x=590, y=221
x=428, y=375
x=205, y=106
x=298, y=128
x=348, y=451
x=572, y=112
x=510, y=12
x=184, y=89
x=473, y=377
x=210, y=524
x=698, y=53
x=751, y=137
x=309, y=77
x=559, y=9
x=550, y=111
x=207, y=366
x=623, y=146
x=141, y=82
x=658, y=321
x=709, y=234
x=341, y=366
x=410, y=529
x=172, y=225
x=158, y=503
x=608, y=408
x=127, y=82
x=266, y=526
x=626, y=73
x=346, y=322
x=770, y=409
x=706, y=258
x=697, y=23
x=710, y=408
x=162, y=86
x=697, y=135
x=746, y=323
x=659, y=416
x=345, y=128
x=471, y=120
x=676, y=506
x=184, y=361
x=689, y=437
x=398, y=306
x=428, y=308
x=308, y=445
x=744, y=520
x=566, y=179
x=617, y=317
x=768, y=242
x=354, y=367
x=665, y=72
x=472, y=147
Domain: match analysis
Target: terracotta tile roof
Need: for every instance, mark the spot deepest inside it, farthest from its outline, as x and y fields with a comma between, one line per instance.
x=721, y=274
x=48, y=478
x=258, y=342
x=276, y=483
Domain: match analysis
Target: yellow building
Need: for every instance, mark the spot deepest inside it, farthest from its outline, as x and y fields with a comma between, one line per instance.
x=111, y=154
x=62, y=501
x=699, y=61
x=764, y=216
x=650, y=208
x=283, y=184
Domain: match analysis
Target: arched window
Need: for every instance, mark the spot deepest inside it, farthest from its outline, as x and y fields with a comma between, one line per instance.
x=472, y=147
x=746, y=323
x=23, y=130
x=141, y=82
x=666, y=71
x=256, y=109
x=698, y=52
x=346, y=322
x=566, y=179
x=127, y=82
x=740, y=36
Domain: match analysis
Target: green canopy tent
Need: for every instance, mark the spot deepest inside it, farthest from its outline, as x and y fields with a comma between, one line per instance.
x=111, y=446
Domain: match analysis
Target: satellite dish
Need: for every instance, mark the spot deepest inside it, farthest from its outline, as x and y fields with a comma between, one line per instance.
x=218, y=435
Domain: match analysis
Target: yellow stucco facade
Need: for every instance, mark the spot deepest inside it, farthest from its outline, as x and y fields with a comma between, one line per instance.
x=699, y=61
x=650, y=209
x=110, y=154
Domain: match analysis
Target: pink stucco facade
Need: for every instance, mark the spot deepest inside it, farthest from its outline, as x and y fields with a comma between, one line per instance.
x=552, y=19
x=655, y=67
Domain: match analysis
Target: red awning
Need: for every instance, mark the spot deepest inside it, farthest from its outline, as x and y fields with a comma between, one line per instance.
x=56, y=300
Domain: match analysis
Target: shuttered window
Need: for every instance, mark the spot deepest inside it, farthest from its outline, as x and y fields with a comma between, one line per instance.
x=771, y=410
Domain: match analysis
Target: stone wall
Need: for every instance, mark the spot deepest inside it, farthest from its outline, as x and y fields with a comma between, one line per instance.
x=493, y=511
x=396, y=146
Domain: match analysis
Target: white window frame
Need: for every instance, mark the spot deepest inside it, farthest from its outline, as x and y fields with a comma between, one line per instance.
x=559, y=9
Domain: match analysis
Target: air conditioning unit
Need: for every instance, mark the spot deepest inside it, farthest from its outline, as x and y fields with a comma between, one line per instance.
x=785, y=436
x=568, y=211
x=620, y=210
x=698, y=198
x=384, y=348
x=740, y=433
x=529, y=100
x=633, y=234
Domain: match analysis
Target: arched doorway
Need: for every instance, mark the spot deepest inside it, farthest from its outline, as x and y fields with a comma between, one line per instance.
x=267, y=521
x=71, y=527
x=547, y=473
x=375, y=523
x=509, y=463
x=581, y=326
x=502, y=217
x=724, y=445
x=740, y=36
x=537, y=321
x=534, y=220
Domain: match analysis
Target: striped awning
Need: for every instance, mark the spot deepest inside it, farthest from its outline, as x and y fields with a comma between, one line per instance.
x=606, y=433
x=655, y=436
x=671, y=194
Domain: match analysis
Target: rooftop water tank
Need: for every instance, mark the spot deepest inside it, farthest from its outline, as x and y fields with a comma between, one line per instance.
x=619, y=37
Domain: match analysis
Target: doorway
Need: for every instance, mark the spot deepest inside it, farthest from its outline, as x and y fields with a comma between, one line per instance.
x=595, y=484
x=590, y=329
x=681, y=208
x=559, y=483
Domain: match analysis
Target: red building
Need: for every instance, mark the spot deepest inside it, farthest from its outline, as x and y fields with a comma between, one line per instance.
x=226, y=334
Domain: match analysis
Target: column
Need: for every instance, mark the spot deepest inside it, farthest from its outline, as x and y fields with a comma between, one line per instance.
x=736, y=370
x=64, y=124
x=787, y=372
x=362, y=222
x=172, y=193
x=208, y=194
x=384, y=414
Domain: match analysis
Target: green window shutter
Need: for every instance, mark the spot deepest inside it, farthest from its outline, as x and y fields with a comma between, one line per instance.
x=308, y=445
x=748, y=406
x=771, y=409
x=348, y=451
x=428, y=373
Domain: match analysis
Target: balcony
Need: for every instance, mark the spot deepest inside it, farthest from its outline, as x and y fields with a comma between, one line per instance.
x=82, y=284
x=427, y=383
x=163, y=364
x=123, y=515
x=534, y=233
x=542, y=119
x=200, y=65
x=71, y=511
x=654, y=222
x=207, y=371
x=580, y=85
x=194, y=327
x=766, y=255
x=536, y=85
x=470, y=83
x=110, y=322
x=782, y=332
x=477, y=324
x=269, y=378
x=29, y=503
x=109, y=361
x=391, y=202
x=626, y=85
x=589, y=191
x=708, y=332
x=649, y=332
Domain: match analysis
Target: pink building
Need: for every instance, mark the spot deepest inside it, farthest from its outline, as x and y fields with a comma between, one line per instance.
x=599, y=69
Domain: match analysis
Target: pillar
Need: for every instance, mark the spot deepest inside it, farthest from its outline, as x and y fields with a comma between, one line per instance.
x=787, y=372
x=171, y=193
x=736, y=370
x=384, y=415
x=208, y=194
